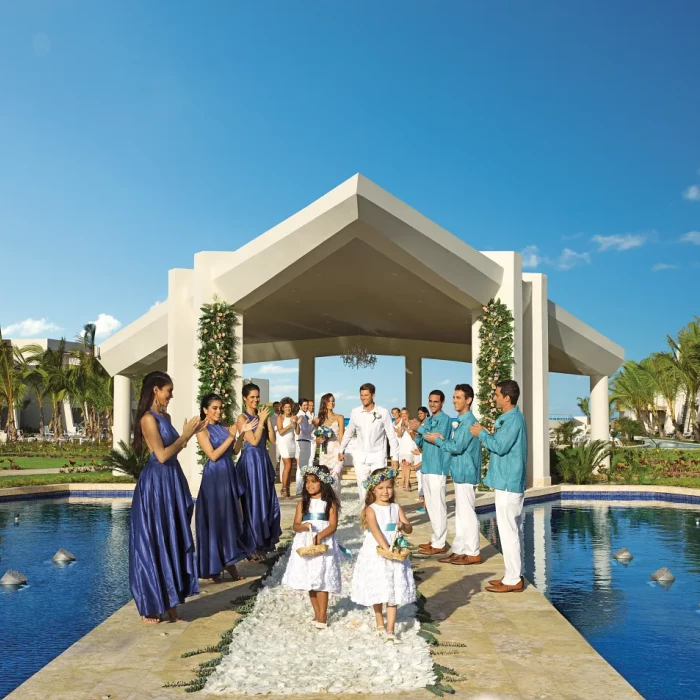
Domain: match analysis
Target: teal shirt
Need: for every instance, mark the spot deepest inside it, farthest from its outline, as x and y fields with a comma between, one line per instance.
x=465, y=449
x=508, y=447
x=435, y=460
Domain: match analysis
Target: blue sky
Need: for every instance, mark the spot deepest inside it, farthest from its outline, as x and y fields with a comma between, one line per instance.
x=137, y=134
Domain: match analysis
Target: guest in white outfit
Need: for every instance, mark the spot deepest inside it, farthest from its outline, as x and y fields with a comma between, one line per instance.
x=315, y=522
x=305, y=442
x=285, y=426
x=436, y=465
x=310, y=410
x=378, y=581
x=507, y=474
x=329, y=449
x=372, y=427
x=423, y=414
x=465, y=470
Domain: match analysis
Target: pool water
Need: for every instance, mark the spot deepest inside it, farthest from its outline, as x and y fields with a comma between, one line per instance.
x=60, y=604
x=649, y=633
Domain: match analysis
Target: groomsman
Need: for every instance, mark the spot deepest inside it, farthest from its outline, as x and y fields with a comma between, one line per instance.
x=436, y=465
x=465, y=469
x=507, y=475
x=305, y=442
x=372, y=427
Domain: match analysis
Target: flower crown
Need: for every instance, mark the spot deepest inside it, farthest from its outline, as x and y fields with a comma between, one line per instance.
x=374, y=479
x=321, y=475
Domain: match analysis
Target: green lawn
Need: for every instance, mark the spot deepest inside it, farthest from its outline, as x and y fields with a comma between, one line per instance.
x=688, y=482
x=44, y=462
x=42, y=479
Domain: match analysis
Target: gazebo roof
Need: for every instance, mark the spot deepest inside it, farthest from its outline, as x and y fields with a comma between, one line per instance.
x=358, y=262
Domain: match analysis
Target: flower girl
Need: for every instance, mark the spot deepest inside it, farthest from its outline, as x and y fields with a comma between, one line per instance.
x=376, y=580
x=315, y=523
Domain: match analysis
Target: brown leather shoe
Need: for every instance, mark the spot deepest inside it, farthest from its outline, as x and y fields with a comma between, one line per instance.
x=430, y=551
x=467, y=559
x=451, y=559
x=495, y=582
x=503, y=588
x=427, y=545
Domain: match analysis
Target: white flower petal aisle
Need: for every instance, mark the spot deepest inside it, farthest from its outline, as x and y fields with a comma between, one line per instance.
x=276, y=650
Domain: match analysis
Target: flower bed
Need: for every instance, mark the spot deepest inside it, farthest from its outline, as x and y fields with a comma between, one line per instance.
x=55, y=449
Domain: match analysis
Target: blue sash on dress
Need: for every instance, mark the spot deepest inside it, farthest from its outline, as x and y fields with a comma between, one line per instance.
x=322, y=516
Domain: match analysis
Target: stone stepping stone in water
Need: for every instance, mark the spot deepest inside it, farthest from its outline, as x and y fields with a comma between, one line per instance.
x=63, y=556
x=13, y=578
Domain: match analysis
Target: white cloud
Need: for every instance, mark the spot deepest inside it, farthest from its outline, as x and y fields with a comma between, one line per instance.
x=663, y=266
x=276, y=369
x=158, y=303
x=106, y=325
x=531, y=256
x=444, y=382
x=30, y=327
x=570, y=258
x=691, y=237
x=619, y=241
x=278, y=390
x=692, y=193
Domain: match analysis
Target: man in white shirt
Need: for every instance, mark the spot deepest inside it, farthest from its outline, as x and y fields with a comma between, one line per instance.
x=372, y=426
x=306, y=442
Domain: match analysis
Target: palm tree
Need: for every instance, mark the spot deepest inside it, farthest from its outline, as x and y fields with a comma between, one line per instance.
x=633, y=387
x=37, y=381
x=14, y=369
x=685, y=351
x=668, y=379
x=53, y=363
x=584, y=405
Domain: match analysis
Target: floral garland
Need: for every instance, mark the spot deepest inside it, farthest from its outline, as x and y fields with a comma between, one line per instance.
x=218, y=355
x=495, y=362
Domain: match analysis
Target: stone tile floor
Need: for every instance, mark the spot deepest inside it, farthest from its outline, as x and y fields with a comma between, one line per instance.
x=518, y=645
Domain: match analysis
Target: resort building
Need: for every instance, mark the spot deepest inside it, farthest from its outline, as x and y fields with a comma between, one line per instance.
x=353, y=248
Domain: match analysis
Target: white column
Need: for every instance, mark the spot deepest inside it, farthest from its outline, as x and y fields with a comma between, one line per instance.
x=121, y=427
x=68, y=416
x=182, y=339
x=307, y=377
x=540, y=545
x=18, y=418
x=600, y=410
x=414, y=384
x=535, y=377
x=476, y=346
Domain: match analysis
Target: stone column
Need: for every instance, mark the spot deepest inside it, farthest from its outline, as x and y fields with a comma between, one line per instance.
x=476, y=345
x=121, y=426
x=600, y=410
x=68, y=416
x=535, y=377
x=414, y=384
x=307, y=377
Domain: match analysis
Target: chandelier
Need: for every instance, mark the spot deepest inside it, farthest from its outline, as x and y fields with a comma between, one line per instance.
x=358, y=357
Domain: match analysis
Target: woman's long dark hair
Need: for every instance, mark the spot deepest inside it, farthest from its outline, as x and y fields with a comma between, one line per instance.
x=327, y=494
x=150, y=382
x=323, y=409
x=207, y=401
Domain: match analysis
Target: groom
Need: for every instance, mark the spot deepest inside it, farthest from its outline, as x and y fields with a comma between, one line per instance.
x=372, y=426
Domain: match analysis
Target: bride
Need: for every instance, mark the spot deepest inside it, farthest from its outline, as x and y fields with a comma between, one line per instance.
x=331, y=446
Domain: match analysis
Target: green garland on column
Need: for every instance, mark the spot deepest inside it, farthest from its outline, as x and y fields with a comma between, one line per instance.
x=218, y=355
x=495, y=361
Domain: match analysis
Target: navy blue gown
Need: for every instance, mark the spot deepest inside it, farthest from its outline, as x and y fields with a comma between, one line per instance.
x=162, y=570
x=261, y=508
x=222, y=538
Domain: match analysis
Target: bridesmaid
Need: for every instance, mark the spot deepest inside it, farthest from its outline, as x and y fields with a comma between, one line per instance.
x=261, y=508
x=328, y=418
x=162, y=569
x=222, y=539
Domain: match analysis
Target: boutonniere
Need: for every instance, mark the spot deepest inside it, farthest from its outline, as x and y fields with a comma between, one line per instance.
x=374, y=416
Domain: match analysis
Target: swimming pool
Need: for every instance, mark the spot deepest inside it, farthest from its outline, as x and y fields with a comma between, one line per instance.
x=649, y=633
x=60, y=604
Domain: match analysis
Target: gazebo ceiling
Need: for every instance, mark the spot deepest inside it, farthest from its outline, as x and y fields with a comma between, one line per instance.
x=357, y=291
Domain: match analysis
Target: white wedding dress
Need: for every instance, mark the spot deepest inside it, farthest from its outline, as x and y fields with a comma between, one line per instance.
x=378, y=580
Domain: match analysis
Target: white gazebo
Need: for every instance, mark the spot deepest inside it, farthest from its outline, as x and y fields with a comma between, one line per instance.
x=326, y=279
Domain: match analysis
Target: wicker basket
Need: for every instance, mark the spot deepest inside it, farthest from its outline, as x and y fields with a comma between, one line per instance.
x=312, y=550
x=394, y=554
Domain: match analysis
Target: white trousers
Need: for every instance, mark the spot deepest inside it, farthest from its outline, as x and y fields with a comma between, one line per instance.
x=466, y=539
x=434, y=491
x=509, y=518
x=419, y=476
x=364, y=465
x=305, y=458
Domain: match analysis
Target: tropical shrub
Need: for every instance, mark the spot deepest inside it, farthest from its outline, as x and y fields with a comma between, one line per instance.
x=127, y=460
x=576, y=465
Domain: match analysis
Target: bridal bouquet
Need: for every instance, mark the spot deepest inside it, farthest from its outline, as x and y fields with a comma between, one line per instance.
x=324, y=434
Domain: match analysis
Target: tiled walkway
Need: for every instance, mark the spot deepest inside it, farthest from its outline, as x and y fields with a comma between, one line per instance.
x=518, y=645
